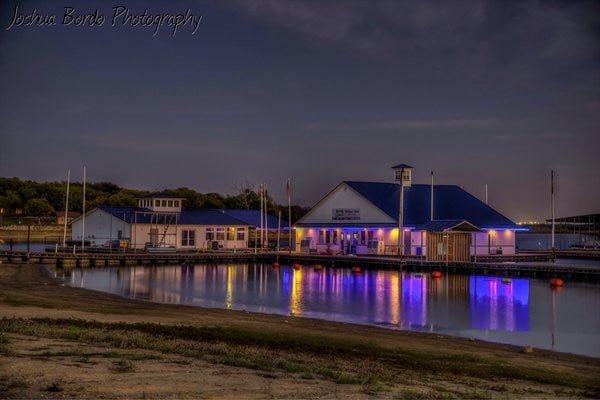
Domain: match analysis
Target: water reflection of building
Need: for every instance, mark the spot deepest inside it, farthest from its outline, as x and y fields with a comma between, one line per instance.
x=161, y=285
x=407, y=300
x=499, y=304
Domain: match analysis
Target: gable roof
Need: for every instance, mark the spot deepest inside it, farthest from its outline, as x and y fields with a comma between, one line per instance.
x=451, y=202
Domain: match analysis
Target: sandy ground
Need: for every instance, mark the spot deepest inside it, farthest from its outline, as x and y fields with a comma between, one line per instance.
x=41, y=367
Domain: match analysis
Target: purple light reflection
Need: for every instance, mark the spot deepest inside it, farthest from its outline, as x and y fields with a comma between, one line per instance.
x=499, y=304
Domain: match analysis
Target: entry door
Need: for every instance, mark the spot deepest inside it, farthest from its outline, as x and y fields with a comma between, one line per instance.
x=407, y=244
x=348, y=242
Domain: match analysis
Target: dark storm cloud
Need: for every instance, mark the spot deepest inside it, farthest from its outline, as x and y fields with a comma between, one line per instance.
x=478, y=39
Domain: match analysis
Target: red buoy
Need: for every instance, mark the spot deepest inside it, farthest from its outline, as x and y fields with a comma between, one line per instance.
x=296, y=266
x=436, y=274
x=275, y=264
x=318, y=268
x=556, y=282
x=356, y=269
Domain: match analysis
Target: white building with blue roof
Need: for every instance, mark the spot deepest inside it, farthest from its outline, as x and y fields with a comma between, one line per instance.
x=365, y=218
x=159, y=221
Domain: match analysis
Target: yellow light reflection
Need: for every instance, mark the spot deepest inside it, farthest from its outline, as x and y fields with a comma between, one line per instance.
x=296, y=295
x=395, y=299
x=229, y=292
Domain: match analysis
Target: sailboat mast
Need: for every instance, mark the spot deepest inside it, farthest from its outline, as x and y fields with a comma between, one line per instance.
x=266, y=223
x=66, y=209
x=552, y=205
x=83, y=214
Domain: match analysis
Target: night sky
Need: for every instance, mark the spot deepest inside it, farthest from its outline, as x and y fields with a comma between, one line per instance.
x=496, y=92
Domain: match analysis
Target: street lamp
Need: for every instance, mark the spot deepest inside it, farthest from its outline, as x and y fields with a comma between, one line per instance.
x=402, y=174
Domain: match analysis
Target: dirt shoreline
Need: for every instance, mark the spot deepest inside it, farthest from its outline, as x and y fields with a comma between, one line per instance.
x=49, y=350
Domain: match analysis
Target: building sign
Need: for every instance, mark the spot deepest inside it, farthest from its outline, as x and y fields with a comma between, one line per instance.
x=345, y=214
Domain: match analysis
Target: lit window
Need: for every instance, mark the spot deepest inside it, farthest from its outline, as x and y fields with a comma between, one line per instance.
x=220, y=233
x=230, y=233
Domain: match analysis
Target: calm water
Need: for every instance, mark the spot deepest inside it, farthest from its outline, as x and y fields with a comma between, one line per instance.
x=517, y=311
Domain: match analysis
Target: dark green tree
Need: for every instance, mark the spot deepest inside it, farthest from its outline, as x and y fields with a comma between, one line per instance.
x=38, y=208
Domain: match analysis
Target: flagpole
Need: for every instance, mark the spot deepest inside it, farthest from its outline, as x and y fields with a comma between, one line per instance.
x=289, y=193
x=66, y=209
x=83, y=217
x=486, y=194
x=431, y=211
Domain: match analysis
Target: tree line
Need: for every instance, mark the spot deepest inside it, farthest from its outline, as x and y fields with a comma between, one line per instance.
x=40, y=199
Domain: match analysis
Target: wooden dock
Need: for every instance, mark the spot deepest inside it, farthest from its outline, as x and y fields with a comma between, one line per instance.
x=535, y=265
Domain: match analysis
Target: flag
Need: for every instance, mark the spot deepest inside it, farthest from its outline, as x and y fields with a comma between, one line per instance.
x=288, y=189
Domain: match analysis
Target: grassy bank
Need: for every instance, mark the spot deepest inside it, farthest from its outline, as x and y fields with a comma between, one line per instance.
x=288, y=352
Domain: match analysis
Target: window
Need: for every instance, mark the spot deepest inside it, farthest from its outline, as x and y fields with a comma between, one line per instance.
x=363, y=237
x=230, y=233
x=170, y=203
x=328, y=237
x=156, y=203
x=176, y=203
x=335, y=237
x=164, y=203
x=210, y=234
x=321, y=233
x=370, y=235
x=188, y=238
x=241, y=234
x=220, y=233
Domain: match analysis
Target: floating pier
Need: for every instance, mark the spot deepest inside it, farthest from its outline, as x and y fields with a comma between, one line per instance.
x=535, y=265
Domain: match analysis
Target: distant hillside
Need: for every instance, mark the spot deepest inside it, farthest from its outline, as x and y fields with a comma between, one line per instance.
x=29, y=198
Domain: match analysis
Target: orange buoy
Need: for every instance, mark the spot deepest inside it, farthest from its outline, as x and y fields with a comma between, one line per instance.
x=556, y=282
x=356, y=269
x=296, y=266
x=436, y=274
x=318, y=267
x=275, y=264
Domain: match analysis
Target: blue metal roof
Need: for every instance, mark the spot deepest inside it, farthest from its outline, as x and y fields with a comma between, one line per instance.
x=200, y=216
x=451, y=202
x=208, y=217
x=252, y=217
